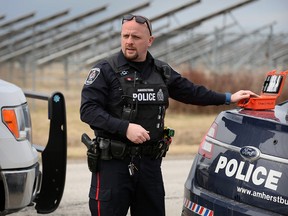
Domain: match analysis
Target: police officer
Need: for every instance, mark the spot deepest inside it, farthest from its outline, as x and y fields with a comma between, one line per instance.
x=124, y=99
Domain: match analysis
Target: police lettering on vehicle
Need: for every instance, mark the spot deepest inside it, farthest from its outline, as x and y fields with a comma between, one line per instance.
x=257, y=175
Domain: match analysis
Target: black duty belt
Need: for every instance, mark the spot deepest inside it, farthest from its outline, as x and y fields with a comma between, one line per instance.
x=119, y=150
x=145, y=150
x=106, y=149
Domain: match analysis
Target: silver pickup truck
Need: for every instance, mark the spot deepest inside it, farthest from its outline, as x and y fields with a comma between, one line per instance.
x=30, y=175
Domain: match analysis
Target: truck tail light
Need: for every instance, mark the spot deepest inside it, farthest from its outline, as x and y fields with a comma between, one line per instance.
x=17, y=119
x=206, y=148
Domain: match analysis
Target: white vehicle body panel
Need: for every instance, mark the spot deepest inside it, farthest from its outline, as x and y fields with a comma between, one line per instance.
x=13, y=153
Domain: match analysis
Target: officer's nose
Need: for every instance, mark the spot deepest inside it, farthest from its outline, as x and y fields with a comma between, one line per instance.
x=129, y=40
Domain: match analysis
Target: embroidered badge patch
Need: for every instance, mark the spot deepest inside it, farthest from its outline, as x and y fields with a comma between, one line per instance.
x=160, y=95
x=92, y=76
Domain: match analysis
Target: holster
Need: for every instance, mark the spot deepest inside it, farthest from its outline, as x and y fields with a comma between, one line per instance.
x=161, y=148
x=93, y=160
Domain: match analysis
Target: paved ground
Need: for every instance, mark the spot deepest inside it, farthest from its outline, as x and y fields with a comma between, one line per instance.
x=75, y=199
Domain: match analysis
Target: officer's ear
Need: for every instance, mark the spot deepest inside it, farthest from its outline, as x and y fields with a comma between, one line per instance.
x=151, y=39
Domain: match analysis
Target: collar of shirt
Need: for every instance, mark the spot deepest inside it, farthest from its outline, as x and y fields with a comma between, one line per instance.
x=144, y=68
x=123, y=61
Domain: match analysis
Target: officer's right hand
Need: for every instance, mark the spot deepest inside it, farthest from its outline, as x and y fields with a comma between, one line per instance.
x=137, y=134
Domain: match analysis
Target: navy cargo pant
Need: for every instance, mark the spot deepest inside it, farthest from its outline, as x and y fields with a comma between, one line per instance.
x=113, y=190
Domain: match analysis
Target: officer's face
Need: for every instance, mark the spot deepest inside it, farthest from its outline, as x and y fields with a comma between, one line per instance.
x=135, y=40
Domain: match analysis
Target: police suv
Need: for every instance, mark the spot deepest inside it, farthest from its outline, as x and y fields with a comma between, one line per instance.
x=242, y=164
x=24, y=179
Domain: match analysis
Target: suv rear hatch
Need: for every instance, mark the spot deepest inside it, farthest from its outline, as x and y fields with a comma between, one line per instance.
x=245, y=158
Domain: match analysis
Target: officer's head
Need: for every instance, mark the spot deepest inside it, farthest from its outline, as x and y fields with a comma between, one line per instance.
x=136, y=37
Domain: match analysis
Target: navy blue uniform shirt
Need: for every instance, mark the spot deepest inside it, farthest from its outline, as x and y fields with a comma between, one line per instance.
x=102, y=91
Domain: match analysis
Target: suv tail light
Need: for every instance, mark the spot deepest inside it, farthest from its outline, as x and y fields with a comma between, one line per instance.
x=17, y=119
x=206, y=148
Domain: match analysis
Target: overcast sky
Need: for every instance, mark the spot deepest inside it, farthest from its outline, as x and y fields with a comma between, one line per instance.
x=249, y=17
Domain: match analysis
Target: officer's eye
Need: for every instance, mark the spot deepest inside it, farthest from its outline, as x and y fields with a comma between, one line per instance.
x=136, y=37
x=125, y=36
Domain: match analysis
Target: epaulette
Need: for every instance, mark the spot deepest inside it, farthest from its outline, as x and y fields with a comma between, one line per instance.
x=164, y=68
x=113, y=62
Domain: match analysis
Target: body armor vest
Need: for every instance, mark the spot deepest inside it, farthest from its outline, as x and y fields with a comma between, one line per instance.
x=144, y=101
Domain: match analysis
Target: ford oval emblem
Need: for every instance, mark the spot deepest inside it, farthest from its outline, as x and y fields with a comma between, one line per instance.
x=250, y=153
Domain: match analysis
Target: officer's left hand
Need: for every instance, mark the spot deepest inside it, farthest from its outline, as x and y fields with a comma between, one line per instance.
x=137, y=134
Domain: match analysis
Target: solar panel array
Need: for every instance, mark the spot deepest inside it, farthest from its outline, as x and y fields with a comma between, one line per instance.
x=30, y=48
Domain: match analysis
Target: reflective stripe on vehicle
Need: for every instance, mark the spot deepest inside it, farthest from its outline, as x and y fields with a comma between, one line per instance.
x=198, y=209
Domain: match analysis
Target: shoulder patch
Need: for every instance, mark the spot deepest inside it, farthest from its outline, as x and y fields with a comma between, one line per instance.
x=92, y=76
